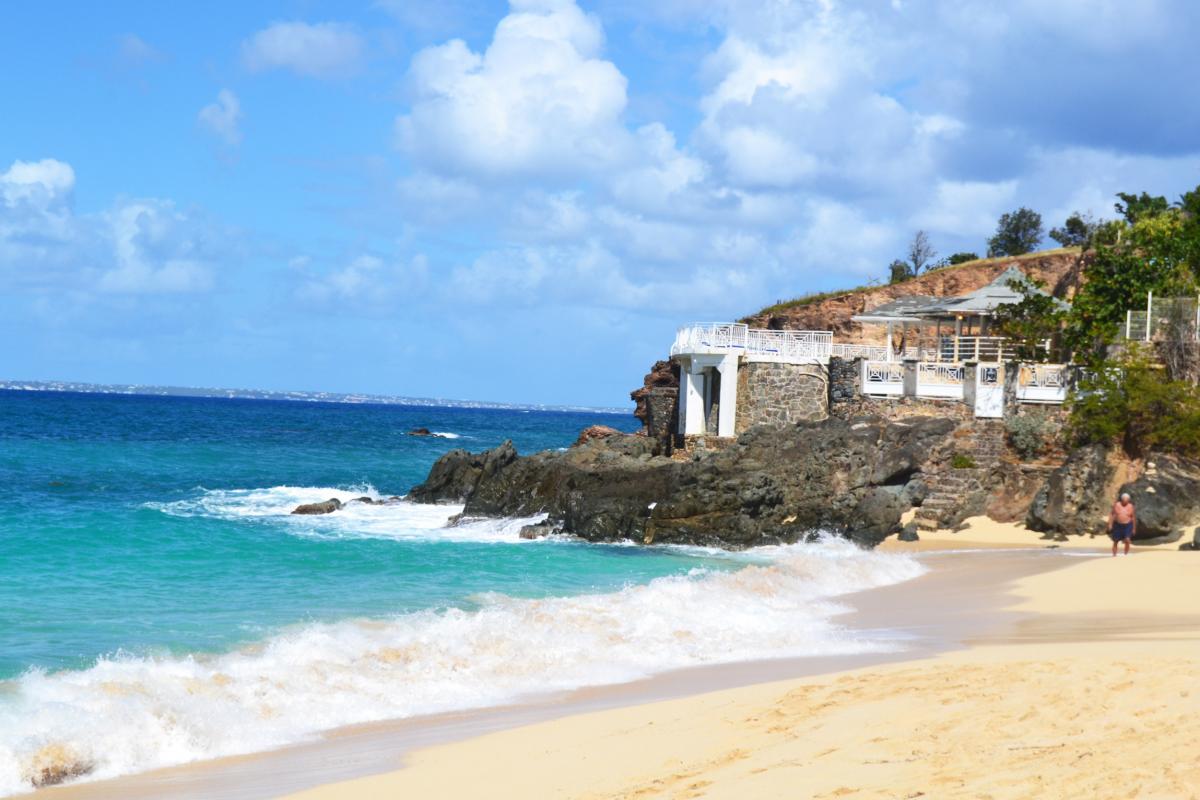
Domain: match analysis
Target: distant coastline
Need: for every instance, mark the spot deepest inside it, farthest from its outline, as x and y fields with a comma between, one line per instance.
x=302, y=397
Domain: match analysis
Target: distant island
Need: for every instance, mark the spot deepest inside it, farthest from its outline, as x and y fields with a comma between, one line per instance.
x=302, y=397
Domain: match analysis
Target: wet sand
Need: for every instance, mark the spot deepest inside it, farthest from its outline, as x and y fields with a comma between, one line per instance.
x=961, y=599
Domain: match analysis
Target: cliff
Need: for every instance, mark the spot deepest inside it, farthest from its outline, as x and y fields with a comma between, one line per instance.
x=1057, y=269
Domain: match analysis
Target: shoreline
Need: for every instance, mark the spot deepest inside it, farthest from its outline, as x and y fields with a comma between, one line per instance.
x=1085, y=691
x=977, y=584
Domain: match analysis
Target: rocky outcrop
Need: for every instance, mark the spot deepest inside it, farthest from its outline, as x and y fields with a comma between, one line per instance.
x=773, y=485
x=327, y=507
x=1167, y=497
x=1074, y=498
x=593, y=432
x=456, y=475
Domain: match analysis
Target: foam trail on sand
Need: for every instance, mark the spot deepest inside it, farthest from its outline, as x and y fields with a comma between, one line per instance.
x=131, y=713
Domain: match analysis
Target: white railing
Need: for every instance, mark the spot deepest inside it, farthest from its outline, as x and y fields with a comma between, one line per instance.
x=1042, y=383
x=1163, y=319
x=872, y=352
x=759, y=344
x=991, y=349
x=940, y=380
x=883, y=378
x=709, y=336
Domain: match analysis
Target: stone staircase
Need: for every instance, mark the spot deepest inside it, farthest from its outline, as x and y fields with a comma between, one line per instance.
x=944, y=505
x=952, y=491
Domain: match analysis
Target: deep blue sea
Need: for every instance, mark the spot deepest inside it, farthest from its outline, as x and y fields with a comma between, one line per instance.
x=159, y=604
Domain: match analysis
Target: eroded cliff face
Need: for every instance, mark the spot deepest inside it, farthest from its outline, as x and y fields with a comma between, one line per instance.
x=1060, y=273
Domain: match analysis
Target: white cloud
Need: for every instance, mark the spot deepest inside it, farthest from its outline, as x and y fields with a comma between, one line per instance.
x=320, y=50
x=223, y=118
x=365, y=283
x=134, y=52
x=968, y=208
x=135, y=247
x=539, y=100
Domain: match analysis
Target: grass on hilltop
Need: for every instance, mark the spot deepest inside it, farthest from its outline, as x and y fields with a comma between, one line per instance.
x=816, y=297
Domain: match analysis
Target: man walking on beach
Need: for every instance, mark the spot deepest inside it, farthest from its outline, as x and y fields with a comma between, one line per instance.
x=1122, y=522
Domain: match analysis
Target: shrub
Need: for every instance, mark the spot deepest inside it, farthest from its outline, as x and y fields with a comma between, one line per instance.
x=1136, y=405
x=1028, y=433
x=962, y=461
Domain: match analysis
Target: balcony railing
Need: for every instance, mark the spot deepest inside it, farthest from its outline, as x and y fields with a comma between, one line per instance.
x=940, y=380
x=883, y=378
x=760, y=344
x=1042, y=383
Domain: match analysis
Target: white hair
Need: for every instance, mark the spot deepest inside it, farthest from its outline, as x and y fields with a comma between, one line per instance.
x=1125, y=496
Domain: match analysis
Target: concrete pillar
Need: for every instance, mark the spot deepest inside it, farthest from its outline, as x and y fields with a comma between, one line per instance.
x=910, y=377
x=729, y=378
x=970, y=383
x=691, y=385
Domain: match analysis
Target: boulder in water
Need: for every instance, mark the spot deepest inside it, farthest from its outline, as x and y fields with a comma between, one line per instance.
x=420, y=432
x=328, y=507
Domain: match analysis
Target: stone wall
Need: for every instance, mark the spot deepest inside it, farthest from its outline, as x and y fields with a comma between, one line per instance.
x=845, y=378
x=781, y=394
x=661, y=409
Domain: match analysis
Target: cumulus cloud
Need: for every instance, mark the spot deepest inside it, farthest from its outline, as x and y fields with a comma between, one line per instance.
x=134, y=247
x=826, y=134
x=315, y=50
x=539, y=100
x=223, y=118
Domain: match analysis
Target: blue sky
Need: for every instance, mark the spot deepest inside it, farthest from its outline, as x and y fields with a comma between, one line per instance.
x=521, y=201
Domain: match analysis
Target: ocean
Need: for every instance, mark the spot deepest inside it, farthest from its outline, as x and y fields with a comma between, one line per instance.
x=159, y=604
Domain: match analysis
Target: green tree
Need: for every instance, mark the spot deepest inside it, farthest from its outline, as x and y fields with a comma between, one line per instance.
x=1134, y=207
x=1134, y=404
x=1155, y=253
x=898, y=271
x=1077, y=231
x=962, y=258
x=1034, y=325
x=1017, y=233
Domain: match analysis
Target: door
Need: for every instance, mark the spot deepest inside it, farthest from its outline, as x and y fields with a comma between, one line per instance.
x=989, y=390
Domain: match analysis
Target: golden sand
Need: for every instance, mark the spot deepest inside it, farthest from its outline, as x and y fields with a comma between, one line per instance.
x=1093, y=693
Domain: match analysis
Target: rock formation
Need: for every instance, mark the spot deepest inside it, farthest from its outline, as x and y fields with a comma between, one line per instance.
x=773, y=485
x=327, y=507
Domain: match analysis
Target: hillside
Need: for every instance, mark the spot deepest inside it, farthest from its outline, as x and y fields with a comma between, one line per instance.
x=831, y=311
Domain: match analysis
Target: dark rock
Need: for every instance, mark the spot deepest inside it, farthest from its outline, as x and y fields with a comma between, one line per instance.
x=456, y=475
x=1073, y=499
x=773, y=485
x=1167, y=497
x=909, y=533
x=328, y=507
x=593, y=432
x=877, y=515
x=420, y=432
x=367, y=500
x=538, y=530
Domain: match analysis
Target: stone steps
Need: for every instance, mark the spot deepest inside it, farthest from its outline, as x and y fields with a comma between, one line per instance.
x=950, y=490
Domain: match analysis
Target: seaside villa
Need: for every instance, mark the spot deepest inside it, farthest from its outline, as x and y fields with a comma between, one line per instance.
x=937, y=349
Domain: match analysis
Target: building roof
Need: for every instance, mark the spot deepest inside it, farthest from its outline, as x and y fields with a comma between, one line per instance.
x=981, y=302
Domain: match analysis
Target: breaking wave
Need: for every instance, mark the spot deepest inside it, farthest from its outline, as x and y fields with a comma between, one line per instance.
x=128, y=713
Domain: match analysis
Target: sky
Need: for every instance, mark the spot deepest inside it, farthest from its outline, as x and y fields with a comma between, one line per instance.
x=521, y=201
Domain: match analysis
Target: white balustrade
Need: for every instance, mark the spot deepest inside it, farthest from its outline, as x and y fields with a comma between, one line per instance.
x=940, y=380
x=1042, y=383
x=758, y=344
x=882, y=378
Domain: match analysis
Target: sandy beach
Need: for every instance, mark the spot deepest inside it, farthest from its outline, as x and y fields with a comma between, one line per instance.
x=1090, y=691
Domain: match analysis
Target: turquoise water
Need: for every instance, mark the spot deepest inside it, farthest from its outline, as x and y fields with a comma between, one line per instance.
x=158, y=604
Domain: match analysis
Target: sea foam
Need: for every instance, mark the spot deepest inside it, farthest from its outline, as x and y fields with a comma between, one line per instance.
x=132, y=713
